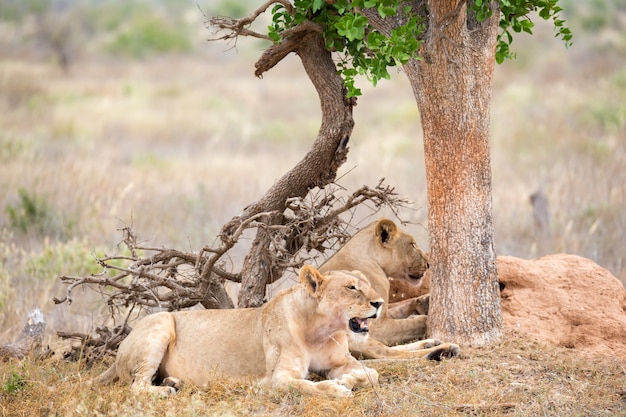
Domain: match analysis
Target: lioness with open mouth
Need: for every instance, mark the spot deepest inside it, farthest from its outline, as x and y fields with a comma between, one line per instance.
x=302, y=329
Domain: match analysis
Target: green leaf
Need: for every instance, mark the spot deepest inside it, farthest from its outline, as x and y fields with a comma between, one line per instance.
x=385, y=11
x=273, y=35
x=317, y=5
x=340, y=6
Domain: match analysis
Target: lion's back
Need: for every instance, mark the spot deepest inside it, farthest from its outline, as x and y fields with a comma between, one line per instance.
x=213, y=342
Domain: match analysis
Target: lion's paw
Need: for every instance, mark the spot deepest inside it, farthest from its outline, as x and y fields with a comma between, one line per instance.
x=159, y=391
x=430, y=343
x=445, y=351
x=455, y=350
x=359, y=378
x=166, y=391
x=334, y=388
x=173, y=382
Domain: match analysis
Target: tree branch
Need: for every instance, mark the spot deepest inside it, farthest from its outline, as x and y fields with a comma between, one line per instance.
x=239, y=27
x=292, y=39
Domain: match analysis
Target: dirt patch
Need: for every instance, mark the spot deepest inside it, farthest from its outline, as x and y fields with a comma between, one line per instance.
x=565, y=300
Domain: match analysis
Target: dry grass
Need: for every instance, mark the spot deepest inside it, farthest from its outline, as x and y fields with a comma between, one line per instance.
x=517, y=378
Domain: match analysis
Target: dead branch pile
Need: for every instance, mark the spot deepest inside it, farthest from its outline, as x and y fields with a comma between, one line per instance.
x=165, y=279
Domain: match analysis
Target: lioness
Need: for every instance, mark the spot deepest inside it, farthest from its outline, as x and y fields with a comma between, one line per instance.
x=381, y=250
x=303, y=328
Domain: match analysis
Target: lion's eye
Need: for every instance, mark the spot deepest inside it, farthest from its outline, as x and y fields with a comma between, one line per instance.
x=351, y=287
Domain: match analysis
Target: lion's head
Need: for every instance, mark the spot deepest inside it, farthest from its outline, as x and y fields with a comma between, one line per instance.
x=346, y=296
x=396, y=251
x=382, y=251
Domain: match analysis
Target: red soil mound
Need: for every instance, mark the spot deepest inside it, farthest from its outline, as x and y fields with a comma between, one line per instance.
x=565, y=300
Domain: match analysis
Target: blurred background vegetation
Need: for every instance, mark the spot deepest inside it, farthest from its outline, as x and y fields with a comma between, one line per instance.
x=118, y=113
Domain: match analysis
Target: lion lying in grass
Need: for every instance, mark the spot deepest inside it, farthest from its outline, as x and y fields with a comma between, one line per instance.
x=302, y=329
x=381, y=250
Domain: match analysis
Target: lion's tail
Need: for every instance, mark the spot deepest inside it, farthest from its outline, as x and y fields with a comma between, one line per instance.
x=107, y=377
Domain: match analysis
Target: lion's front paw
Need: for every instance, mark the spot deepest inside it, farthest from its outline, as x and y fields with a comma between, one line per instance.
x=359, y=378
x=334, y=388
x=160, y=391
x=165, y=391
x=454, y=350
x=173, y=382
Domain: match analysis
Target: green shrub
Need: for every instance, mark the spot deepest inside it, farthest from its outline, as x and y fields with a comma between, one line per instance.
x=33, y=214
x=60, y=258
x=149, y=35
x=32, y=211
x=14, y=383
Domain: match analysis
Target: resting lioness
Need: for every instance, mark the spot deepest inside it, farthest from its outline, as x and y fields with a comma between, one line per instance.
x=303, y=328
x=381, y=250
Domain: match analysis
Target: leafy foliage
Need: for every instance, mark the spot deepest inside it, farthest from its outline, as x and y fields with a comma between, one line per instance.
x=363, y=50
x=515, y=17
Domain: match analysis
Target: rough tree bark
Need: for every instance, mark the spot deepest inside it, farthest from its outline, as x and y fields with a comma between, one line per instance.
x=317, y=169
x=452, y=87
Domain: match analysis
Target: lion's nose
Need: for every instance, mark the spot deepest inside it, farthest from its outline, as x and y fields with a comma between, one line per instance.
x=376, y=304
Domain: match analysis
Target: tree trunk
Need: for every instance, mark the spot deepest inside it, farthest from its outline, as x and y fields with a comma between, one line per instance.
x=317, y=169
x=452, y=85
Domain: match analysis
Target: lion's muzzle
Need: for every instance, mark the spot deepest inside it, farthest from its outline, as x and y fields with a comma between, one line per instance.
x=361, y=325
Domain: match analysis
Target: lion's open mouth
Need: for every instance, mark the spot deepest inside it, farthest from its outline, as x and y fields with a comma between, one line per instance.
x=359, y=325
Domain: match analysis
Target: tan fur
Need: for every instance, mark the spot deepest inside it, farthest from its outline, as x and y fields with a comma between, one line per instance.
x=381, y=251
x=302, y=329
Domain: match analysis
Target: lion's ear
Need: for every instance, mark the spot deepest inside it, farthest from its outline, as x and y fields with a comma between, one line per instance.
x=311, y=278
x=386, y=230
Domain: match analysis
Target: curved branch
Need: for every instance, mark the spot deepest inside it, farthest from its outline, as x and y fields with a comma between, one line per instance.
x=239, y=27
x=292, y=38
x=229, y=241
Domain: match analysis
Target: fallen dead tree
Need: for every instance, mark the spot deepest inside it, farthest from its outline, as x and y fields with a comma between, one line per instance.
x=29, y=341
x=165, y=279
